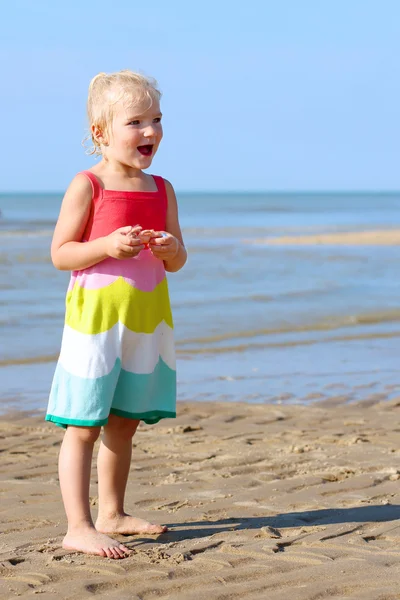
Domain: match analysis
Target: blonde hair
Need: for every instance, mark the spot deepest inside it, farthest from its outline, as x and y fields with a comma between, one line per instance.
x=108, y=89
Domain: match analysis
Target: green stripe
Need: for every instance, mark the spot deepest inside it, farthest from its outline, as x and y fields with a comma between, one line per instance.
x=151, y=417
x=60, y=421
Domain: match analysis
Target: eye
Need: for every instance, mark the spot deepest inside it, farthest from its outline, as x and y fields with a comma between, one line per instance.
x=135, y=122
x=157, y=120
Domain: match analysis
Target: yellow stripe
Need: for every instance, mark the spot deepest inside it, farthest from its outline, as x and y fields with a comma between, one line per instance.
x=95, y=311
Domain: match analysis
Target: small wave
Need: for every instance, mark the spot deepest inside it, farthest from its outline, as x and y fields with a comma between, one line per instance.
x=24, y=316
x=237, y=298
x=25, y=259
x=31, y=360
x=314, y=292
x=327, y=324
x=26, y=233
x=287, y=343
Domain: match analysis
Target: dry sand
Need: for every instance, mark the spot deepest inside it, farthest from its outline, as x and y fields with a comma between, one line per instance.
x=263, y=502
x=389, y=237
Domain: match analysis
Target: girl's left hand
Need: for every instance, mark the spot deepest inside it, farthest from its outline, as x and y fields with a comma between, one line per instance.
x=164, y=245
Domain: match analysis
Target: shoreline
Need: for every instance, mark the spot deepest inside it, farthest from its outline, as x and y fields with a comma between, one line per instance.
x=378, y=237
x=265, y=499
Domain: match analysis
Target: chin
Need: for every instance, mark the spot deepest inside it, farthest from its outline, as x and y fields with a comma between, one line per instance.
x=140, y=164
x=146, y=160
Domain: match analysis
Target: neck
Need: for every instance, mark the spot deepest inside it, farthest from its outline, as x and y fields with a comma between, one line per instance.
x=114, y=167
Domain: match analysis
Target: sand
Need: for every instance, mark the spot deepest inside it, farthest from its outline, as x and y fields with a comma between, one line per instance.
x=263, y=502
x=389, y=237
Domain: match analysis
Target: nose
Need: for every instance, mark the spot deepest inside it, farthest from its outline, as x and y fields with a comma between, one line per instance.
x=149, y=131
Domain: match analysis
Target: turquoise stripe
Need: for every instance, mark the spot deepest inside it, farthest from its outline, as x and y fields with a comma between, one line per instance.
x=65, y=422
x=156, y=391
x=88, y=402
x=80, y=399
x=151, y=417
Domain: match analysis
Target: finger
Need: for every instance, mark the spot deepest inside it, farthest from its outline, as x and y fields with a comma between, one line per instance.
x=136, y=249
x=161, y=241
x=137, y=228
x=126, y=246
x=132, y=235
x=128, y=249
x=124, y=255
x=159, y=251
x=125, y=230
x=132, y=241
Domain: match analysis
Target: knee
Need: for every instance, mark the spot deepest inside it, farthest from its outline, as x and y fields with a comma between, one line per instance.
x=121, y=428
x=87, y=435
x=128, y=431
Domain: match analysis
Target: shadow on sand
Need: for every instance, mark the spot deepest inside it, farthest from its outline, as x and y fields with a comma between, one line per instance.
x=330, y=516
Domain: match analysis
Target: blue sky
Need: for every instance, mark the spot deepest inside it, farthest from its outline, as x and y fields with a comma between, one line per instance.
x=257, y=95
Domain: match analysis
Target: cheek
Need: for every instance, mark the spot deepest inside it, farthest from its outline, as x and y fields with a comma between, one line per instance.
x=131, y=140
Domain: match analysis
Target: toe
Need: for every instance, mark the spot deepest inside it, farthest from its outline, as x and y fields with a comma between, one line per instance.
x=119, y=553
x=125, y=549
x=108, y=552
x=115, y=552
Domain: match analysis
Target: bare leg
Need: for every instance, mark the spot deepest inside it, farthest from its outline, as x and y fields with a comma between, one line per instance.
x=113, y=466
x=74, y=471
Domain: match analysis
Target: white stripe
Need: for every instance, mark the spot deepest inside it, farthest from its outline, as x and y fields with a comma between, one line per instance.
x=93, y=356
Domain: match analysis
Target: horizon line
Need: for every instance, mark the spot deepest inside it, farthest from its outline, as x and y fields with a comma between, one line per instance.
x=236, y=192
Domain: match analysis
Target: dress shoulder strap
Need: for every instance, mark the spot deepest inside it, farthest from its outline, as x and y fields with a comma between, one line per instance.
x=96, y=187
x=160, y=183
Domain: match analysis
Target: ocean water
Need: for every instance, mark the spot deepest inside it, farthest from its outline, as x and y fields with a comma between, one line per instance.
x=252, y=322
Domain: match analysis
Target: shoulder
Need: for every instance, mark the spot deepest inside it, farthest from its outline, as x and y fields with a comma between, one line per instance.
x=172, y=203
x=168, y=185
x=81, y=182
x=79, y=191
x=169, y=189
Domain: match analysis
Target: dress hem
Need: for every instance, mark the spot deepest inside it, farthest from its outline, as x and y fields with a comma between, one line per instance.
x=152, y=417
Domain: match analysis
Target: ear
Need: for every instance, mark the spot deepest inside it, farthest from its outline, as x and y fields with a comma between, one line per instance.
x=98, y=135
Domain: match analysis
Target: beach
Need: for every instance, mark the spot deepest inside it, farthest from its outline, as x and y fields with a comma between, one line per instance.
x=279, y=479
x=261, y=501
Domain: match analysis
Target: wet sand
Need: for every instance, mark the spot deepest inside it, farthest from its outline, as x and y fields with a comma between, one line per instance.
x=262, y=501
x=389, y=237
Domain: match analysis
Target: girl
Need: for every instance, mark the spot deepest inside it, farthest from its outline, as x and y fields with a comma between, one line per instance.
x=118, y=232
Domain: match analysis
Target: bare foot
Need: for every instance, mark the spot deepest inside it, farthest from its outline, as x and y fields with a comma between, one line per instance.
x=90, y=541
x=128, y=525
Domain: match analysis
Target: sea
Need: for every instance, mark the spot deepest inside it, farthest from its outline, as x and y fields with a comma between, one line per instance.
x=253, y=323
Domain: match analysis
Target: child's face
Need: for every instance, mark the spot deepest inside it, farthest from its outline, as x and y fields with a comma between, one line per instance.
x=136, y=133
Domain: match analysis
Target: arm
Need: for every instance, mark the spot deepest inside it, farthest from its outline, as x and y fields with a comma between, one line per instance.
x=68, y=252
x=171, y=249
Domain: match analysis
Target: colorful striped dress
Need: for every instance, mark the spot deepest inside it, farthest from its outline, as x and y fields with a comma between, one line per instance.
x=117, y=353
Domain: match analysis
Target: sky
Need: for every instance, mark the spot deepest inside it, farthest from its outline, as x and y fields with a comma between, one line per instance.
x=262, y=95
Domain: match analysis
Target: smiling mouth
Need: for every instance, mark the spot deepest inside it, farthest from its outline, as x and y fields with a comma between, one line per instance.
x=146, y=150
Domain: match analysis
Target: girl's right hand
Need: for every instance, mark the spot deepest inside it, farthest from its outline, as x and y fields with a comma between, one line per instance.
x=124, y=243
